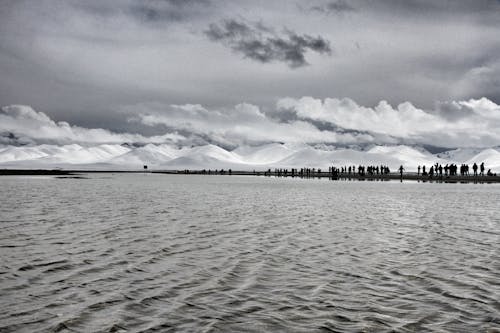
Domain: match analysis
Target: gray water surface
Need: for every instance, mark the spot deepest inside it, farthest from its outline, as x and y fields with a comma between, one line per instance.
x=159, y=253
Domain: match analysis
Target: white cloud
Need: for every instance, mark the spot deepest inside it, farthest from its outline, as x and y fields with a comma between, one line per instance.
x=245, y=123
x=462, y=123
x=30, y=125
x=472, y=123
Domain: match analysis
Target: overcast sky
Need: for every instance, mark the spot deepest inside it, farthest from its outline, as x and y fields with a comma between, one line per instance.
x=183, y=66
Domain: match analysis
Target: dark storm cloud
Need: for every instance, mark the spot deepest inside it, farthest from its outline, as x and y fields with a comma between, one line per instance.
x=149, y=11
x=257, y=42
x=160, y=10
x=334, y=7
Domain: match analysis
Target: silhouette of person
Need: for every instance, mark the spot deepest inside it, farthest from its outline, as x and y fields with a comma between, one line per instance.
x=474, y=168
x=401, y=169
x=482, y=168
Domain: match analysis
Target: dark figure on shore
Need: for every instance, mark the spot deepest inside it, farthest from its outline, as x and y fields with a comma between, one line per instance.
x=440, y=170
x=418, y=171
x=401, y=169
x=474, y=168
x=431, y=171
x=482, y=168
x=424, y=173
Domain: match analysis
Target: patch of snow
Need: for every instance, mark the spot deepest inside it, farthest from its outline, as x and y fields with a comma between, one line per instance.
x=274, y=155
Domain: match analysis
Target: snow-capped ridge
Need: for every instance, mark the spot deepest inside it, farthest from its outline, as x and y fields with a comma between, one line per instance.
x=273, y=155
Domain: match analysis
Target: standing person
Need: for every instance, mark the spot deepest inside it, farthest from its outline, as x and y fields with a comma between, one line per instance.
x=482, y=168
x=418, y=171
x=474, y=168
x=401, y=169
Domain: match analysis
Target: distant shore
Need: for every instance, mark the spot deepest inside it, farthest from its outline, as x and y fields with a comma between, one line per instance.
x=346, y=176
x=340, y=176
x=55, y=172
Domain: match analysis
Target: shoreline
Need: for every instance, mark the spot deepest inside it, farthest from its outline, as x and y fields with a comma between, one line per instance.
x=339, y=176
x=345, y=176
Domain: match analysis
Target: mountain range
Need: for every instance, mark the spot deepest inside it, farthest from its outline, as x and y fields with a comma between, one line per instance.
x=273, y=155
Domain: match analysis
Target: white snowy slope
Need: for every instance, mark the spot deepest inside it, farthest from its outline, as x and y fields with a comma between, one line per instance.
x=147, y=155
x=45, y=156
x=392, y=156
x=274, y=155
x=13, y=154
x=204, y=157
x=267, y=154
x=75, y=154
x=460, y=154
x=490, y=157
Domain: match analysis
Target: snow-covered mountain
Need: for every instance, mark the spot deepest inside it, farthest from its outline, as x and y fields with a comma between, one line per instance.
x=275, y=155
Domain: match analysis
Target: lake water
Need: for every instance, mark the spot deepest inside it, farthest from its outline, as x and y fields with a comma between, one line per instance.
x=159, y=253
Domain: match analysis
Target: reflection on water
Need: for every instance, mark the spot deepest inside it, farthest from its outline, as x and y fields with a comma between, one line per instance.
x=129, y=253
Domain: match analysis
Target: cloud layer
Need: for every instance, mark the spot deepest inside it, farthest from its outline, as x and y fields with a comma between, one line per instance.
x=79, y=60
x=261, y=43
x=334, y=7
x=243, y=124
x=332, y=121
x=20, y=124
x=455, y=124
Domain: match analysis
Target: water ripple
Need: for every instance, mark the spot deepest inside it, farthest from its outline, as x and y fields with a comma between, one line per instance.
x=157, y=253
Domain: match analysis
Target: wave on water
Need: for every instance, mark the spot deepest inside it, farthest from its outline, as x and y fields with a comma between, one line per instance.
x=145, y=253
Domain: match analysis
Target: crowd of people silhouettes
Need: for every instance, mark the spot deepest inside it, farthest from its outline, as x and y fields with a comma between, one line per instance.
x=436, y=170
x=361, y=171
x=453, y=170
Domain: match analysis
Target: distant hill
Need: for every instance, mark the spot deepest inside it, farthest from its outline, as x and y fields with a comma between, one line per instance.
x=274, y=155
